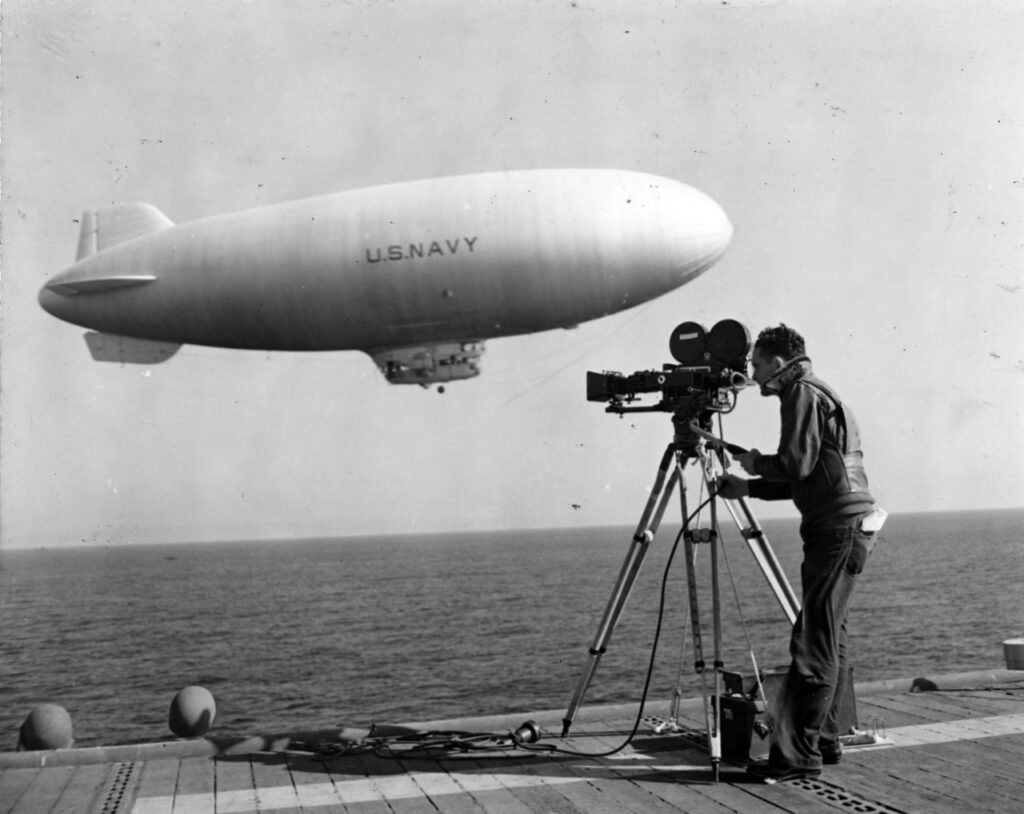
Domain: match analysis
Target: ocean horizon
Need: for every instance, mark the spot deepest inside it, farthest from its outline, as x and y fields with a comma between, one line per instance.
x=351, y=631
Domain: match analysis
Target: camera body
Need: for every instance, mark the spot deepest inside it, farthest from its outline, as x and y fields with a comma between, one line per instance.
x=711, y=370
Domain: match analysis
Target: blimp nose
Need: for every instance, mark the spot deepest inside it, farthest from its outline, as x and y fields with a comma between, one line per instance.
x=62, y=296
x=49, y=300
x=705, y=230
x=720, y=228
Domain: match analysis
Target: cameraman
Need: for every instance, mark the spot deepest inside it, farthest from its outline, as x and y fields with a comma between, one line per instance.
x=820, y=467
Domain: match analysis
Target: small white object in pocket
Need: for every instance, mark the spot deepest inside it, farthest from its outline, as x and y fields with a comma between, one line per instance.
x=873, y=522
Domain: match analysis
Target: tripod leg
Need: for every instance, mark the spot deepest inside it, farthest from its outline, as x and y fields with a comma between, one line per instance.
x=638, y=547
x=715, y=720
x=712, y=701
x=712, y=713
x=759, y=546
x=690, y=553
x=692, y=610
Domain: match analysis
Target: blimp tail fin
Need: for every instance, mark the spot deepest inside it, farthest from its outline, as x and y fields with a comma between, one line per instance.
x=106, y=227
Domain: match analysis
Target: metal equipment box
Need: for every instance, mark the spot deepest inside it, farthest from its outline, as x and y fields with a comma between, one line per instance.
x=747, y=723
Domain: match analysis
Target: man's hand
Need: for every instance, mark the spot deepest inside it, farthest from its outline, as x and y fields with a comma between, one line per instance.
x=732, y=487
x=746, y=460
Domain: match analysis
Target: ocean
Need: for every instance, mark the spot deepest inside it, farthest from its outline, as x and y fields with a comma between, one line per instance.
x=354, y=631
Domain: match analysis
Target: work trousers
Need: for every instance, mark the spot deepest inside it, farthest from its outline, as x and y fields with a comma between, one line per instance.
x=807, y=704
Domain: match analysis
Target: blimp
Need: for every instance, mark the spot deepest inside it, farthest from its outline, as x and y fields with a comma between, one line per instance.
x=417, y=274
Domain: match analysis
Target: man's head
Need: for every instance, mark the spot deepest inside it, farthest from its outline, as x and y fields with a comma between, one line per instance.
x=774, y=348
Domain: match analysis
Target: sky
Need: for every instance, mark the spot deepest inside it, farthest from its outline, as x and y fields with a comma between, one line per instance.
x=868, y=154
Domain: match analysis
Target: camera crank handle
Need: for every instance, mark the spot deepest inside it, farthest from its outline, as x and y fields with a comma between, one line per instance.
x=714, y=440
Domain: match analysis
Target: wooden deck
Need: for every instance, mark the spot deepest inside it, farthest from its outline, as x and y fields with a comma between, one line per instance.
x=957, y=749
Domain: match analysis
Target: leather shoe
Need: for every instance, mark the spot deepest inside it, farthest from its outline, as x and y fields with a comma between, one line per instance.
x=780, y=774
x=831, y=753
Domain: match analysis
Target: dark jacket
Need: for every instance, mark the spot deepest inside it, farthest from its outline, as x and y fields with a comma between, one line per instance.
x=819, y=463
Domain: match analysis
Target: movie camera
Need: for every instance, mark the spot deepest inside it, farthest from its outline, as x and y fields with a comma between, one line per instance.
x=712, y=370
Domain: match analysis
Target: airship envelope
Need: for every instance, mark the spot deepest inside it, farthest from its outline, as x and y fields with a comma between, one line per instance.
x=415, y=274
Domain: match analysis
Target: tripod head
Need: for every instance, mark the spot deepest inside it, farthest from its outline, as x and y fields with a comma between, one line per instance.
x=715, y=441
x=690, y=431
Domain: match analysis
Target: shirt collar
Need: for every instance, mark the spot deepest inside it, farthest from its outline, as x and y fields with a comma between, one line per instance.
x=794, y=369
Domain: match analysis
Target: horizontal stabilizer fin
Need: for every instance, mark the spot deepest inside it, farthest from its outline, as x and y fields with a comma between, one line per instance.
x=97, y=285
x=128, y=350
x=103, y=228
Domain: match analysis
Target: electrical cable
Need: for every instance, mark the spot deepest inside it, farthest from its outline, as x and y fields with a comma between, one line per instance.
x=425, y=745
x=654, y=647
x=650, y=662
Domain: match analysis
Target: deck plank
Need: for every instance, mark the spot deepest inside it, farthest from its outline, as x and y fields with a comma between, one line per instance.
x=979, y=769
x=570, y=782
x=569, y=791
x=890, y=714
x=13, y=783
x=912, y=775
x=234, y=784
x=44, y=788
x=554, y=792
x=876, y=785
x=82, y=789
x=677, y=778
x=601, y=778
x=195, y=792
x=680, y=776
x=395, y=791
x=313, y=783
x=349, y=779
x=273, y=783
x=443, y=790
x=954, y=705
x=540, y=798
x=915, y=708
x=157, y=786
x=950, y=752
x=489, y=788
